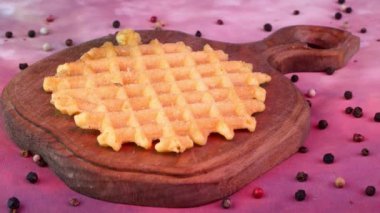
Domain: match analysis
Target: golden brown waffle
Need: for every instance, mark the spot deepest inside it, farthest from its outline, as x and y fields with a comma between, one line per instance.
x=143, y=92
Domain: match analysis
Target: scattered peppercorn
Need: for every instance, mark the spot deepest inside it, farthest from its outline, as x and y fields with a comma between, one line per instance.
x=300, y=195
x=25, y=153
x=340, y=182
x=365, y=152
x=50, y=18
x=349, y=110
x=36, y=158
x=348, y=10
x=198, y=33
x=341, y=1
x=296, y=12
x=74, y=202
x=226, y=203
x=47, y=47
x=302, y=176
x=219, y=22
x=363, y=30
x=322, y=124
x=8, y=34
x=348, y=95
x=44, y=31
x=370, y=190
x=13, y=203
x=294, y=78
x=377, y=117
x=31, y=33
x=311, y=93
x=338, y=16
x=153, y=19
x=69, y=42
x=303, y=149
x=116, y=24
x=267, y=27
x=329, y=71
x=22, y=66
x=258, y=193
x=358, y=112
x=328, y=158
x=32, y=177
x=358, y=137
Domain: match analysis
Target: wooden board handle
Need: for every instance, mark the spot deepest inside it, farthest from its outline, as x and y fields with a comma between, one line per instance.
x=309, y=48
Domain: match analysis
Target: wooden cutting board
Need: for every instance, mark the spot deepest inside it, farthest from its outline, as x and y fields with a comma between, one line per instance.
x=199, y=175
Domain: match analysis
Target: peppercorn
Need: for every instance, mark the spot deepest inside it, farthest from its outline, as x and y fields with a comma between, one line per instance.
x=329, y=71
x=296, y=12
x=258, y=193
x=348, y=110
x=31, y=33
x=358, y=112
x=153, y=19
x=340, y=182
x=341, y=1
x=8, y=34
x=32, y=177
x=74, y=202
x=46, y=47
x=322, y=124
x=363, y=30
x=311, y=93
x=267, y=27
x=348, y=10
x=365, y=152
x=13, y=203
x=198, y=33
x=348, y=95
x=377, y=117
x=219, y=22
x=300, y=195
x=358, y=137
x=22, y=66
x=338, y=16
x=370, y=190
x=328, y=158
x=116, y=24
x=50, y=18
x=302, y=176
x=69, y=42
x=226, y=203
x=303, y=149
x=25, y=153
x=294, y=78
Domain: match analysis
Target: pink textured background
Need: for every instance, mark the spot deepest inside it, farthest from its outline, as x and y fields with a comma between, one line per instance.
x=84, y=20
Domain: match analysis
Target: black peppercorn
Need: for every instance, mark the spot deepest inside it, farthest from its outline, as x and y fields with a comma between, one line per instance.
x=69, y=42
x=303, y=149
x=348, y=10
x=358, y=112
x=31, y=33
x=296, y=12
x=267, y=27
x=365, y=152
x=329, y=71
x=32, y=177
x=13, y=203
x=338, y=16
x=302, y=176
x=377, y=117
x=219, y=22
x=322, y=124
x=226, y=203
x=348, y=110
x=348, y=95
x=294, y=78
x=116, y=24
x=300, y=195
x=8, y=34
x=341, y=1
x=363, y=30
x=328, y=158
x=358, y=137
x=198, y=33
x=370, y=190
x=23, y=66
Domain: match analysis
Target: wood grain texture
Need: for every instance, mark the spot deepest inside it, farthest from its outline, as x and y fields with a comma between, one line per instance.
x=201, y=174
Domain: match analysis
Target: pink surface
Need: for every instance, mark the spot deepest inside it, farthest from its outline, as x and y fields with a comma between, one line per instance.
x=84, y=20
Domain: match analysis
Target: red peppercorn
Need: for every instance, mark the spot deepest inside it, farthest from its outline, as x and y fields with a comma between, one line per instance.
x=50, y=18
x=220, y=22
x=358, y=137
x=153, y=19
x=258, y=193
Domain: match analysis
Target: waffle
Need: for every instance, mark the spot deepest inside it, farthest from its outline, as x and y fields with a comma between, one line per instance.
x=168, y=93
